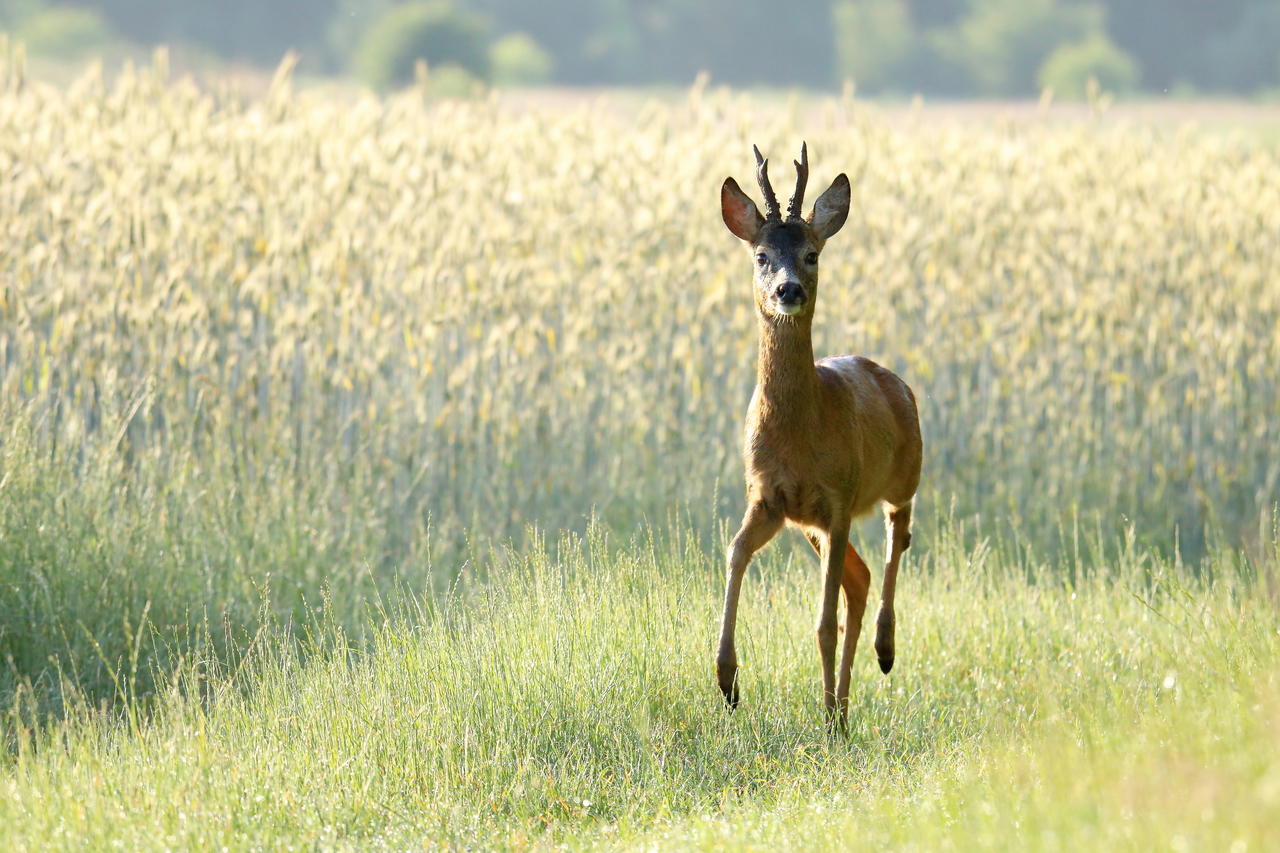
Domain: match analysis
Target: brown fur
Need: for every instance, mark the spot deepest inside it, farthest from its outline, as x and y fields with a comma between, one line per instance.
x=824, y=442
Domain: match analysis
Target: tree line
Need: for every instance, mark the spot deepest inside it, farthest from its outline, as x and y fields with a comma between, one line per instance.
x=999, y=48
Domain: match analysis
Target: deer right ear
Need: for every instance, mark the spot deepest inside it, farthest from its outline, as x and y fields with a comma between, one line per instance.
x=739, y=211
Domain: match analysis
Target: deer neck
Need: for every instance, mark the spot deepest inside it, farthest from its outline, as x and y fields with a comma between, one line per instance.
x=785, y=377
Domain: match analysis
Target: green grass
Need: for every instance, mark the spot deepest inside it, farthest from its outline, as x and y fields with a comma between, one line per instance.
x=570, y=700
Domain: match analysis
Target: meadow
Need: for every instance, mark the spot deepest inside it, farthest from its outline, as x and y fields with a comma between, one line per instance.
x=365, y=467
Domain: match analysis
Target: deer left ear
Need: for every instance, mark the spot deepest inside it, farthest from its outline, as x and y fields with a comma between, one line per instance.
x=831, y=209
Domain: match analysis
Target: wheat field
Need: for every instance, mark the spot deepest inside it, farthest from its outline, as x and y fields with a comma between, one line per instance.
x=364, y=466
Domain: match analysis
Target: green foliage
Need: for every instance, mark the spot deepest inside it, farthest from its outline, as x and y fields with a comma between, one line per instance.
x=1168, y=37
x=878, y=47
x=1070, y=68
x=1005, y=42
x=351, y=20
x=951, y=47
x=996, y=46
x=449, y=81
x=518, y=60
x=873, y=42
x=434, y=32
x=14, y=12
x=242, y=30
x=739, y=42
x=928, y=14
x=66, y=32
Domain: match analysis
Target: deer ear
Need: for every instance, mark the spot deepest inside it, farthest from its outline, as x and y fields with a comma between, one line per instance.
x=831, y=209
x=739, y=211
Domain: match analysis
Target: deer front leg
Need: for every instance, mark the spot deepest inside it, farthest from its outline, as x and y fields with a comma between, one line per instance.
x=759, y=525
x=833, y=551
x=898, y=532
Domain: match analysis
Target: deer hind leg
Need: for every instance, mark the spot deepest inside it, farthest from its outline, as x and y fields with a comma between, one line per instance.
x=759, y=525
x=832, y=552
x=856, y=580
x=898, y=534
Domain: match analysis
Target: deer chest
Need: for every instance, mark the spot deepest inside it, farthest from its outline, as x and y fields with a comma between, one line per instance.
x=795, y=487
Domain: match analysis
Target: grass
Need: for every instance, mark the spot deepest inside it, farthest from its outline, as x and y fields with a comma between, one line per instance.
x=293, y=385
x=1133, y=706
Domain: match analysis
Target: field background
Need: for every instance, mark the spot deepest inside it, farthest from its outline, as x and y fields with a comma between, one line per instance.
x=366, y=463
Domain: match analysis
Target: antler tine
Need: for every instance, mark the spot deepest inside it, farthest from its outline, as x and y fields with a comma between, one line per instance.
x=762, y=177
x=802, y=178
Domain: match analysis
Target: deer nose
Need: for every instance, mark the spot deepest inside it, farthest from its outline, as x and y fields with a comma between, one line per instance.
x=790, y=293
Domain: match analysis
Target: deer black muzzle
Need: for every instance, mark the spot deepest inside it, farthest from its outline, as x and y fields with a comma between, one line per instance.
x=790, y=294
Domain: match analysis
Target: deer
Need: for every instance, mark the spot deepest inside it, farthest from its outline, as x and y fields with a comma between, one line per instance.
x=824, y=442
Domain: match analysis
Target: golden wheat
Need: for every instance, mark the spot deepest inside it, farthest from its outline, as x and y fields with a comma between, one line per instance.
x=498, y=317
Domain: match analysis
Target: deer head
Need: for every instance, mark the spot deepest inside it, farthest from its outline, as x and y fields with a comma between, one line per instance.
x=785, y=250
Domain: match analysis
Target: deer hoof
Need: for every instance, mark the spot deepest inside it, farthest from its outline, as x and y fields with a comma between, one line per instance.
x=884, y=641
x=729, y=687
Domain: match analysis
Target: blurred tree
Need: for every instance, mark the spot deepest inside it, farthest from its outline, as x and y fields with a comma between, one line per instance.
x=940, y=66
x=926, y=14
x=1004, y=42
x=66, y=32
x=351, y=20
x=613, y=47
x=518, y=60
x=433, y=31
x=956, y=47
x=569, y=31
x=1069, y=69
x=448, y=81
x=1167, y=37
x=743, y=42
x=248, y=30
x=879, y=48
x=14, y=11
x=874, y=42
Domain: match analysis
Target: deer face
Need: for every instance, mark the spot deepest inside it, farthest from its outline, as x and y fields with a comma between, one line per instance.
x=785, y=251
x=785, y=256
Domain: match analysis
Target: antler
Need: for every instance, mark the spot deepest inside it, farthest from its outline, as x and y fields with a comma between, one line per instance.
x=762, y=176
x=802, y=178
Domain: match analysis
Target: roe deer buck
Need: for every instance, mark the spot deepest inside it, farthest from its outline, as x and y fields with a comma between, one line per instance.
x=823, y=442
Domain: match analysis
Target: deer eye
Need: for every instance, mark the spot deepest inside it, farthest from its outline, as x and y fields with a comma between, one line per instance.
x=762, y=259
x=811, y=258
